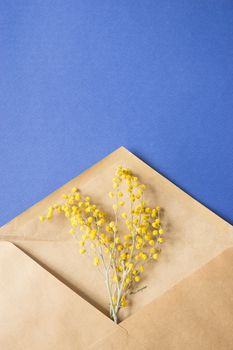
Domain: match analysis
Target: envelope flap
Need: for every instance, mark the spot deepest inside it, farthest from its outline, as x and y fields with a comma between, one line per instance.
x=197, y=313
x=40, y=312
x=194, y=314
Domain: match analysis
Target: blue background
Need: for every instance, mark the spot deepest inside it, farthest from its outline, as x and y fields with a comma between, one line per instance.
x=81, y=78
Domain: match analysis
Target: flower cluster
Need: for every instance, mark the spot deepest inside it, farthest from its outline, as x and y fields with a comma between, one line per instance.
x=121, y=246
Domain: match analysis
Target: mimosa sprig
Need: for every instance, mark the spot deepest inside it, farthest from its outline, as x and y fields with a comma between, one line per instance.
x=121, y=256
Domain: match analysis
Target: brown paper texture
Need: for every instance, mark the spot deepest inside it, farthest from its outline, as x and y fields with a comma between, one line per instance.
x=39, y=312
x=195, y=314
x=195, y=236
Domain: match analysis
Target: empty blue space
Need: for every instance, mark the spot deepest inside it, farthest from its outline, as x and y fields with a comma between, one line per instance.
x=81, y=78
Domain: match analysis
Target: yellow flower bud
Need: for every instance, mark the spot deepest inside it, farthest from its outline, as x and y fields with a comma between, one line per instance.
x=93, y=234
x=153, y=213
x=96, y=261
x=126, y=237
x=74, y=189
x=123, y=301
x=124, y=215
x=77, y=197
x=114, y=278
x=132, y=198
x=90, y=219
x=100, y=222
x=155, y=256
x=137, y=278
x=144, y=256
x=117, y=239
x=147, y=237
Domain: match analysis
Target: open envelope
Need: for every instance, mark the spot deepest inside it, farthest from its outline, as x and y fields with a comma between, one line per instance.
x=52, y=298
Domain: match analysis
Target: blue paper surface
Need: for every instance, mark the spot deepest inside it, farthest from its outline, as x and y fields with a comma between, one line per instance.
x=81, y=78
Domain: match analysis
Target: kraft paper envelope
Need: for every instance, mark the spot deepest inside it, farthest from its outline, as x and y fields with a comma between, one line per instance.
x=53, y=298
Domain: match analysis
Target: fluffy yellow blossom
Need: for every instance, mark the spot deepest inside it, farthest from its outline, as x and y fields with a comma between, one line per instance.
x=93, y=234
x=112, y=224
x=130, y=266
x=128, y=280
x=96, y=261
x=50, y=213
x=117, y=239
x=124, y=215
x=74, y=189
x=123, y=301
x=114, y=278
x=120, y=248
x=100, y=222
x=90, y=219
x=77, y=196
